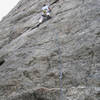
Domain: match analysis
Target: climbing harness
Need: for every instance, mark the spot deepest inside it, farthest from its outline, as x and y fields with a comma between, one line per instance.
x=60, y=66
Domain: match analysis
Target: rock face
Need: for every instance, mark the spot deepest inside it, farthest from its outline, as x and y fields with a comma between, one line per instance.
x=29, y=56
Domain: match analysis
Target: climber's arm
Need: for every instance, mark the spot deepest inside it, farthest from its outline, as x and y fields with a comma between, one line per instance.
x=49, y=9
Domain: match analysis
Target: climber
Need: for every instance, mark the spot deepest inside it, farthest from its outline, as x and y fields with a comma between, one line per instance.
x=45, y=13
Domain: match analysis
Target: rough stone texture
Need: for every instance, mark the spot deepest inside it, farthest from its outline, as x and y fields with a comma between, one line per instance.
x=30, y=56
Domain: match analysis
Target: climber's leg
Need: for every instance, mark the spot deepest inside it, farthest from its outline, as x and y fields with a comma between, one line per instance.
x=44, y=18
x=41, y=19
x=48, y=15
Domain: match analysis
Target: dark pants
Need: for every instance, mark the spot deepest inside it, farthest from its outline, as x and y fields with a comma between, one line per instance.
x=46, y=17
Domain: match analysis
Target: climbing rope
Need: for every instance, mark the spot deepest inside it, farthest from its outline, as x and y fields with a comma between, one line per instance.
x=60, y=66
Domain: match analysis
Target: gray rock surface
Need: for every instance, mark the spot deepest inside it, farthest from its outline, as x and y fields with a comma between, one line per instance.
x=30, y=55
